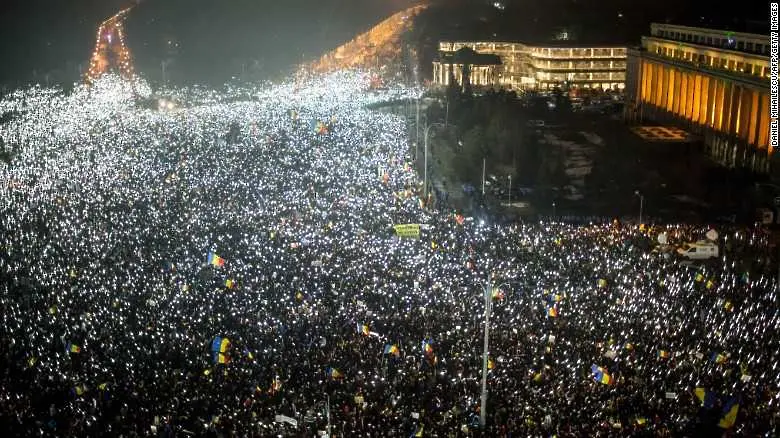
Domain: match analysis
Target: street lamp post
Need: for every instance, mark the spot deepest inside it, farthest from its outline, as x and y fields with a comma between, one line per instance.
x=510, y=191
x=641, y=205
x=483, y=177
x=328, y=411
x=553, y=205
x=486, y=350
x=417, y=123
x=425, y=165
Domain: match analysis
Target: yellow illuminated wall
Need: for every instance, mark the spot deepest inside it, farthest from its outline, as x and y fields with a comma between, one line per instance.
x=727, y=106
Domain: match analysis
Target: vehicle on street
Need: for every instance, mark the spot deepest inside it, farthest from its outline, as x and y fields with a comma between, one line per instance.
x=700, y=250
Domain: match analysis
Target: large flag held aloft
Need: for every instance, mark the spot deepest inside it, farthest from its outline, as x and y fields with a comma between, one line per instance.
x=219, y=349
x=391, y=349
x=333, y=373
x=718, y=358
x=363, y=329
x=706, y=397
x=730, y=411
x=215, y=260
x=600, y=375
x=427, y=347
x=459, y=218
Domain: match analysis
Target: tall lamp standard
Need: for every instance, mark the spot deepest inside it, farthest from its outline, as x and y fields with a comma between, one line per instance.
x=425, y=165
x=486, y=348
x=510, y=190
x=641, y=205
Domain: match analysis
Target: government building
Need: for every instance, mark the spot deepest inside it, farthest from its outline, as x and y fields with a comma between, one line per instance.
x=523, y=66
x=712, y=83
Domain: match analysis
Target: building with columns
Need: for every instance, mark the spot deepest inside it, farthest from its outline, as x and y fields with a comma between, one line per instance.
x=543, y=66
x=466, y=67
x=713, y=83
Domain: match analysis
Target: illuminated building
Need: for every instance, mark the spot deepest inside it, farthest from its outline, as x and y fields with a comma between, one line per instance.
x=465, y=66
x=713, y=83
x=110, y=49
x=527, y=66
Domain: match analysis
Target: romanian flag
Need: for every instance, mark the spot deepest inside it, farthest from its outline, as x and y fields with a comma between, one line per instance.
x=663, y=354
x=333, y=373
x=73, y=348
x=552, y=311
x=718, y=358
x=537, y=376
x=363, y=329
x=249, y=354
x=699, y=277
x=600, y=375
x=730, y=411
x=219, y=349
x=497, y=294
x=728, y=306
x=230, y=283
x=392, y=349
x=706, y=397
x=427, y=348
x=79, y=390
x=555, y=298
x=434, y=245
x=491, y=364
x=602, y=283
x=418, y=432
x=215, y=260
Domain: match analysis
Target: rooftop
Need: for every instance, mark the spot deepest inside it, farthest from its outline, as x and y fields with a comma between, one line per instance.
x=466, y=55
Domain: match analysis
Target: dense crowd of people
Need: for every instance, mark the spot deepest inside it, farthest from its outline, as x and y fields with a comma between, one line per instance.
x=227, y=265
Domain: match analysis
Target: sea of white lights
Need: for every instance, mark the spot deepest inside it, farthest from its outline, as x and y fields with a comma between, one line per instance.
x=109, y=208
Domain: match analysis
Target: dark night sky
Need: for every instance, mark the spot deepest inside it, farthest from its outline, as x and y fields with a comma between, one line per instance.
x=49, y=34
x=217, y=36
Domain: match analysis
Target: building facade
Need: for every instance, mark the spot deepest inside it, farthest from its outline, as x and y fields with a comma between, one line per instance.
x=467, y=66
x=527, y=66
x=712, y=83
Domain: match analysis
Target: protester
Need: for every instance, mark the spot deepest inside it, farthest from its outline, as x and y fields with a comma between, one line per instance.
x=227, y=265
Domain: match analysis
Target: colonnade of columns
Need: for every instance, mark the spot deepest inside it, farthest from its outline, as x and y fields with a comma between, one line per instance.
x=732, y=115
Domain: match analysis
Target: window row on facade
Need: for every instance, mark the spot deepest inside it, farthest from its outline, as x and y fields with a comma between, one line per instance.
x=506, y=49
x=722, y=41
x=713, y=59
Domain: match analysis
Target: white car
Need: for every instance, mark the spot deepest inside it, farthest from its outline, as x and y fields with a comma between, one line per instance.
x=700, y=250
